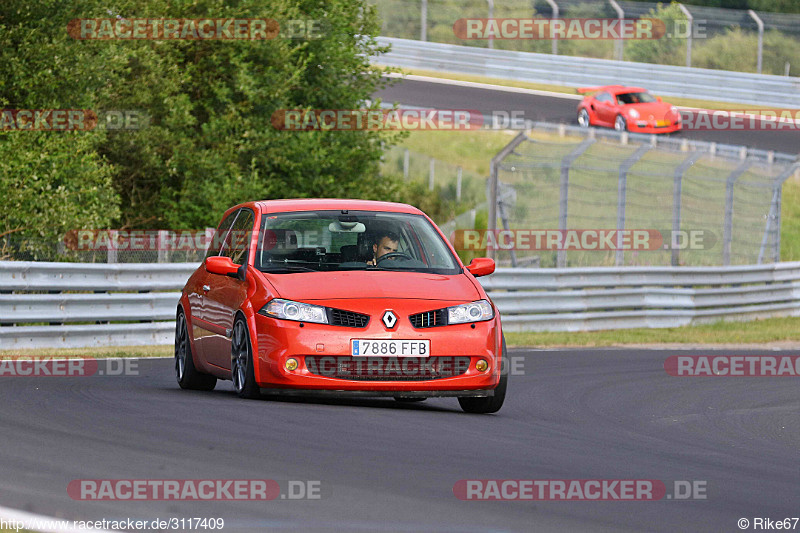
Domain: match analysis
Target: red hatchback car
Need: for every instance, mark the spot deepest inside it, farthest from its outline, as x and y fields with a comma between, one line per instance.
x=340, y=297
x=627, y=109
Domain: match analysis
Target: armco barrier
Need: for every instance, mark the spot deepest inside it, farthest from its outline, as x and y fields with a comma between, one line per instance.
x=535, y=299
x=685, y=82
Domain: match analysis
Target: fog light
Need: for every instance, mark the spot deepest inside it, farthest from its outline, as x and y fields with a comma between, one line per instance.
x=291, y=364
x=481, y=365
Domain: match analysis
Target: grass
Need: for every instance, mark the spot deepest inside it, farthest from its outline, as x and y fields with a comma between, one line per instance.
x=472, y=150
x=683, y=102
x=757, y=332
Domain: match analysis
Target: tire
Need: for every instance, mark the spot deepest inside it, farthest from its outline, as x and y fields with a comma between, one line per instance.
x=242, y=372
x=620, y=124
x=406, y=399
x=583, y=118
x=185, y=372
x=494, y=403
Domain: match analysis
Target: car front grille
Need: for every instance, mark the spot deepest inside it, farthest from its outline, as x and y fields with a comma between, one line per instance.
x=348, y=319
x=387, y=368
x=429, y=319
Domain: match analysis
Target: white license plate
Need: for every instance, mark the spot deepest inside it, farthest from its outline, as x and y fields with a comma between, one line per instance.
x=390, y=348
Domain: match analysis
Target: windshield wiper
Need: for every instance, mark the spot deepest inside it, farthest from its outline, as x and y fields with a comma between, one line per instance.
x=287, y=268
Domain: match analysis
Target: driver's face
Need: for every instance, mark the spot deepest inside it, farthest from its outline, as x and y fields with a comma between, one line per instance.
x=386, y=246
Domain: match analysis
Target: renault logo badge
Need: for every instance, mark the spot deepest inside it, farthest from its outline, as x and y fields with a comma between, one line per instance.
x=389, y=319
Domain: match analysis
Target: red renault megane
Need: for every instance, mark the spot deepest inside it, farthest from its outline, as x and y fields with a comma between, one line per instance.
x=343, y=297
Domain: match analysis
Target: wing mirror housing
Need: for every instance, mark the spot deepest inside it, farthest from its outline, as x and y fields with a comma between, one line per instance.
x=225, y=267
x=481, y=266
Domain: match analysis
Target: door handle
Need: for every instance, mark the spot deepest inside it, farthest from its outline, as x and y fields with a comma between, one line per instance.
x=206, y=288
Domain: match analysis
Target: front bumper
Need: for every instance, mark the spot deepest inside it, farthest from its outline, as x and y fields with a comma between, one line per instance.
x=653, y=126
x=278, y=340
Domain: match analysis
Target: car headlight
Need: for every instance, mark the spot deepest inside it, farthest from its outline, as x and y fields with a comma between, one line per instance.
x=289, y=310
x=674, y=109
x=472, y=312
x=633, y=113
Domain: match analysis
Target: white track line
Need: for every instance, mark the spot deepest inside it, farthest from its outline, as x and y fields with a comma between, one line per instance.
x=30, y=521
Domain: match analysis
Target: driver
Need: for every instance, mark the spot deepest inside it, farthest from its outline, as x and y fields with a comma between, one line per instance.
x=387, y=242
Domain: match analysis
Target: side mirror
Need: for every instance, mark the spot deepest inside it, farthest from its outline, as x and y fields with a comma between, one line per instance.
x=481, y=266
x=659, y=98
x=222, y=266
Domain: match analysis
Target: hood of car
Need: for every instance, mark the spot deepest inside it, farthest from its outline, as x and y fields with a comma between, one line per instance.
x=659, y=110
x=309, y=286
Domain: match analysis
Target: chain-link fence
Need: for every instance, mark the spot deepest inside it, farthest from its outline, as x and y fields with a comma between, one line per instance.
x=690, y=202
x=706, y=37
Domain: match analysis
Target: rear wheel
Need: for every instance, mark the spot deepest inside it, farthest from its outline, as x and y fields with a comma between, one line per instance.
x=491, y=404
x=185, y=372
x=242, y=373
x=583, y=119
x=620, y=124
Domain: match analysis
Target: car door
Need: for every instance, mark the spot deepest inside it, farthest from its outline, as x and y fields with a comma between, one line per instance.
x=226, y=294
x=201, y=285
x=606, y=111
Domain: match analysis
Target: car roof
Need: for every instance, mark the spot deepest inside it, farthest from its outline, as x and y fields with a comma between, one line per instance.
x=333, y=204
x=615, y=89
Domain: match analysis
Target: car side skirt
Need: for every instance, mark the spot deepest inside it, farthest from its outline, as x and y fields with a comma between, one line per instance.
x=381, y=393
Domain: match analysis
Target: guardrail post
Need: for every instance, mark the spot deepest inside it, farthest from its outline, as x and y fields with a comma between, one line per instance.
x=618, y=42
x=727, y=226
x=760, y=24
x=563, y=204
x=676, y=200
x=431, y=165
x=458, y=185
x=423, y=21
x=405, y=164
x=491, y=15
x=622, y=190
x=554, y=41
x=494, y=165
x=689, y=36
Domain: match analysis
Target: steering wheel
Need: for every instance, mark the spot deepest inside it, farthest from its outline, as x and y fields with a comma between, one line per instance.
x=392, y=255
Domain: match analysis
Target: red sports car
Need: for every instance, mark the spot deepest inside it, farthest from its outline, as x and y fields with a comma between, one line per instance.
x=340, y=297
x=627, y=109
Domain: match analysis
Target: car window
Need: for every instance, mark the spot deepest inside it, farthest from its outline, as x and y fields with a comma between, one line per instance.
x=635, y=98
x=237, y=241
x=603, y=97
x=352, y=240
x=219, y=235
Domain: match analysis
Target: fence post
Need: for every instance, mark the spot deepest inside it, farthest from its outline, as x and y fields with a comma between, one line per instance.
x=676, y=200
x=458, y=185
x=566, y=162
x=163, y=254
x=690, y=18
x=618, y=42
x=491, y=14
x=760, y=24
x=405, y=164
x=423, y=21
x=727, y=227
x=554, y=46
x=493, y=180
x=622, y=191
x=431, y=171
x=112, y=247
x=775, y=215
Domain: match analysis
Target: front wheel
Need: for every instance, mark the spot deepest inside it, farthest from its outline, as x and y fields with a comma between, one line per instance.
x=185, y=372
x=493, y=403
x=242, y=373
x=620, y=124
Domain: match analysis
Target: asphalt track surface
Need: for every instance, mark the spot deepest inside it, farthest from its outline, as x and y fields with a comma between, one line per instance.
x=558, y=109
x=385, y=466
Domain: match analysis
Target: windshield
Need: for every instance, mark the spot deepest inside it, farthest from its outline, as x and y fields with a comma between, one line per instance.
x=635, y=98
x=311, y=241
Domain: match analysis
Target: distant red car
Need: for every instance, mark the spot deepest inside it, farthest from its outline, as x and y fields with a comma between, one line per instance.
x=627, y=109
x=346, y=297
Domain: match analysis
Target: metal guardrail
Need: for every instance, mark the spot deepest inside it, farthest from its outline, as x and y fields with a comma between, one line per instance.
x=533, y=299
x=685, y=82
